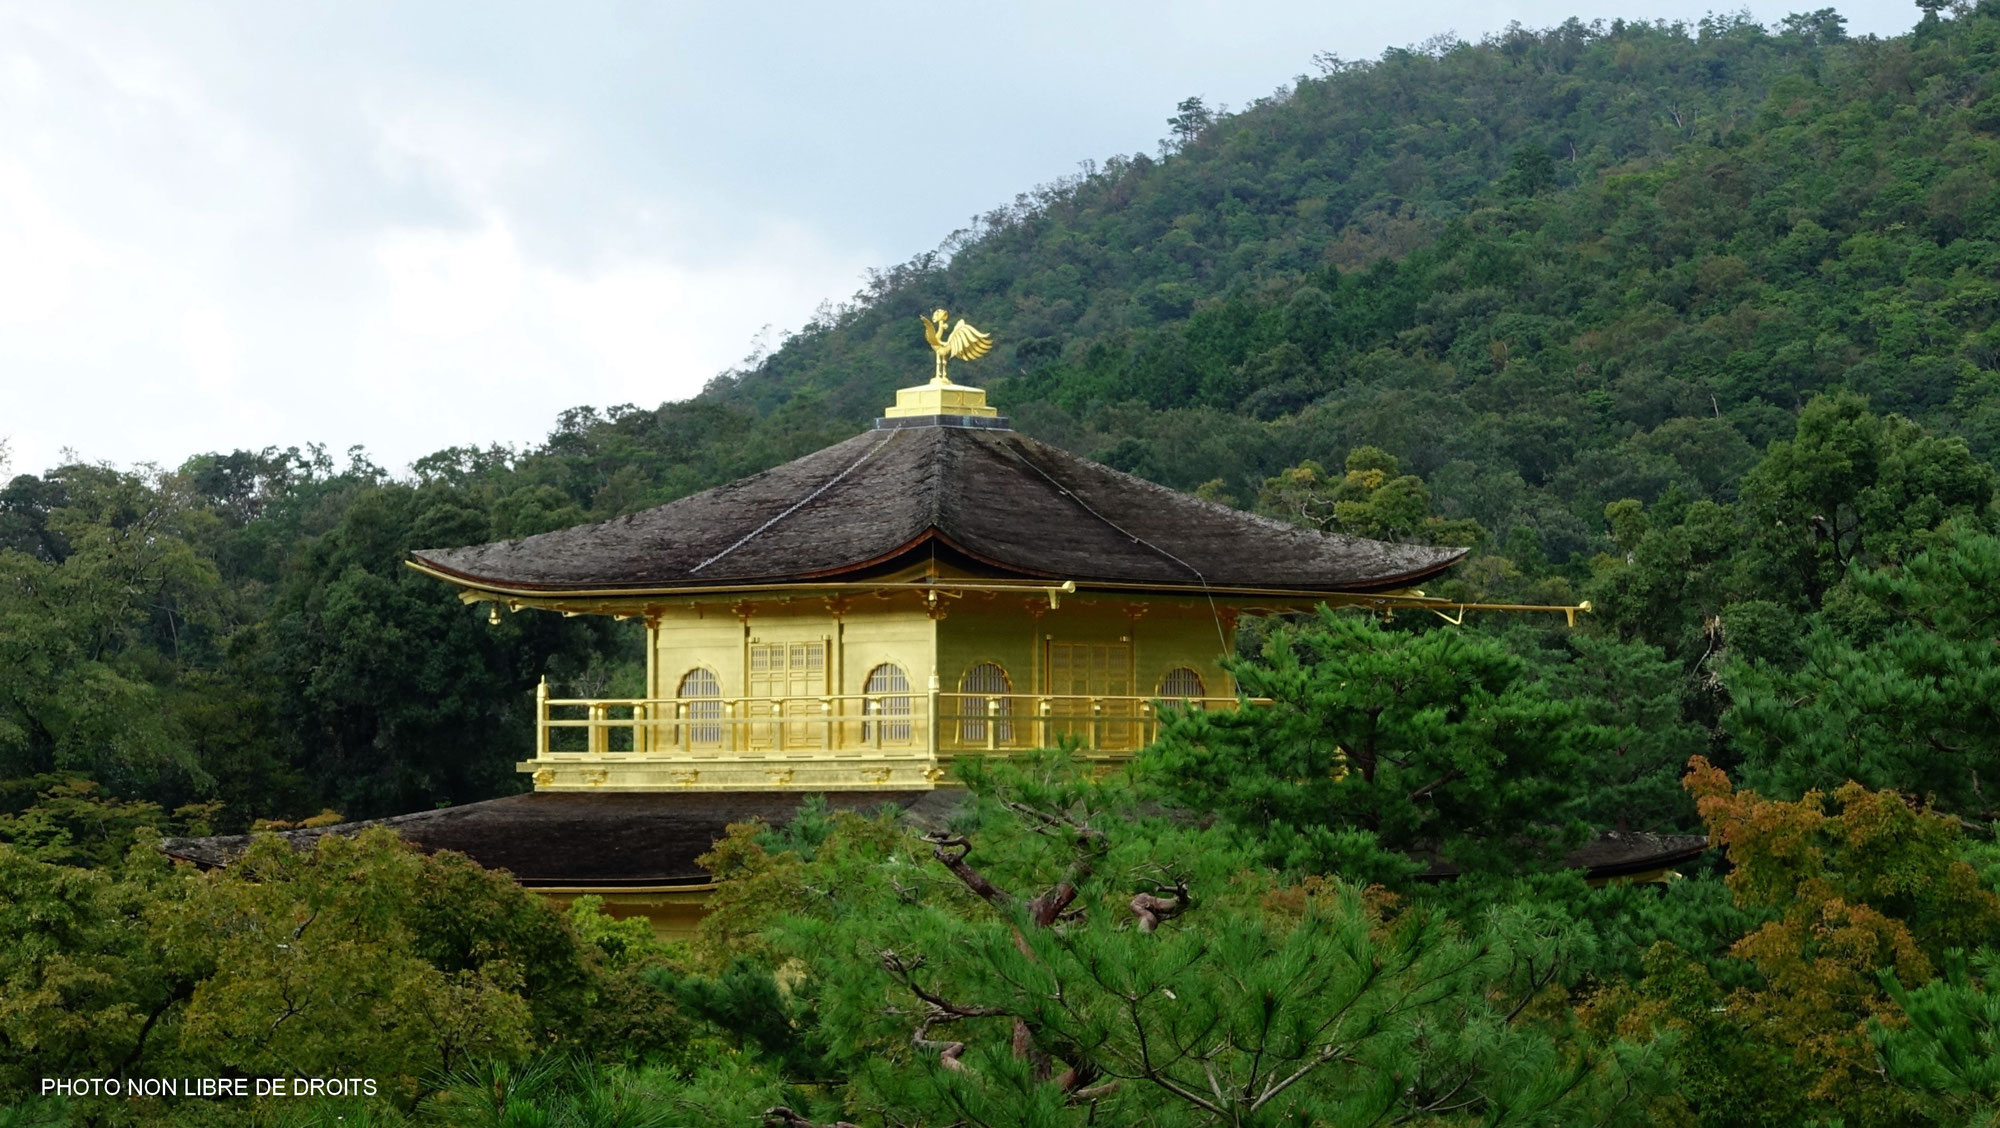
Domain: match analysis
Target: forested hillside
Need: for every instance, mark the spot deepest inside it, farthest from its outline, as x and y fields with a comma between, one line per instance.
x=1697, y=323
x=1546, y=272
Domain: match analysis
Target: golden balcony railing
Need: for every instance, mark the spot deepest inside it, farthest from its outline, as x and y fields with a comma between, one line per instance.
x=913, y=723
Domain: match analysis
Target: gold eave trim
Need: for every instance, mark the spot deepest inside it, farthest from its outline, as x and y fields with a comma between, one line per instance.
x=1403, y=599
x=482, y=591
x=490, y=590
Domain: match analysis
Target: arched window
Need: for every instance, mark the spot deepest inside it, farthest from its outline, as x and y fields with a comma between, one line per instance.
x=701, y=704
x=983, y=692
x=888, y=691
x=1181, y=682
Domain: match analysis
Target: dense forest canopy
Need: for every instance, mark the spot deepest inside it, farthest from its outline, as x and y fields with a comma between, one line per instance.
x=1700, y=323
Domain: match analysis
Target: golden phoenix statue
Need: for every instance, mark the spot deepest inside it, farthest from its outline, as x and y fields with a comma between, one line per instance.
x=963, y=343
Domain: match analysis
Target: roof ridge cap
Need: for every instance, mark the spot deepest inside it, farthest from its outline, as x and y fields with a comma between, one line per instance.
x=934, y=479
x=1087, y=508
x=746, y=538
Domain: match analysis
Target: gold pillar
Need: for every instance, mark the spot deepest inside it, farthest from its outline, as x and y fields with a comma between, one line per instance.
x=837, y=730
x=646, y=735
x=932, y=707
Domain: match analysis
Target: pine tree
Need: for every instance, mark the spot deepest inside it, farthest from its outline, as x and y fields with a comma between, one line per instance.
x=1381, y=744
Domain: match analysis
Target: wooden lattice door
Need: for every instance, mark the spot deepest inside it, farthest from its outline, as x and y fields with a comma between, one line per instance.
x=1091, y=687
x=787, y=680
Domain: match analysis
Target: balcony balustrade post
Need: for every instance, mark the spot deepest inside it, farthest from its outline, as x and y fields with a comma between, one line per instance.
x=542, y=719
x=931, y=718
x=992, y=723
x=1096, y=720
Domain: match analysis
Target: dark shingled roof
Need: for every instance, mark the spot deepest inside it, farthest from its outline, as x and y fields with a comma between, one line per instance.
x=612, y=839
x=992, y=496
x=558, y=838
x=1613, y=853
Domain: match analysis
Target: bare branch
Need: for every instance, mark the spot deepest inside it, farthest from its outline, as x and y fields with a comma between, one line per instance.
x=1433, y=785
x=1046, y=909
x=948, y=1052
x=901, y=970
x=1151, y=908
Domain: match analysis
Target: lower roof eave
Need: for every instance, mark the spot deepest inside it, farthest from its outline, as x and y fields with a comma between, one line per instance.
x=701, y=883
x=1610, y=855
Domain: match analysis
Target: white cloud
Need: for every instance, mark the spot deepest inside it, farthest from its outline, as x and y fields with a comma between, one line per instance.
x=471, y=338
x=231, y=223
x=210, y=348
x=42, y=255
x=448, y=285
x=180, y=273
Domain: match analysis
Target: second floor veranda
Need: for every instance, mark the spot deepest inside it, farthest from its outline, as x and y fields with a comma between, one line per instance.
x=827, y=740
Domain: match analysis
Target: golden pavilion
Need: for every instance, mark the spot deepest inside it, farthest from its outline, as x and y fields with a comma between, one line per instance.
x=855, y=622
x=936, y=587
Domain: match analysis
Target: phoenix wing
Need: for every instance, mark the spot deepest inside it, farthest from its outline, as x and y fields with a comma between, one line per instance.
x=931, y=333
x=967, y=343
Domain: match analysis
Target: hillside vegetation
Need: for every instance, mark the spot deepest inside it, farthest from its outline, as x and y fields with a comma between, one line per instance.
x=1546, y=272
x=1697, y=323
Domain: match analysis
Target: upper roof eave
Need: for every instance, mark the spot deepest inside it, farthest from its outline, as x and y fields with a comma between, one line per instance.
x=994, y=499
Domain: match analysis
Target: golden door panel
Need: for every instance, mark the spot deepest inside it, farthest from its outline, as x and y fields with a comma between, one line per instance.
x=787, y=679
x=1091, y=683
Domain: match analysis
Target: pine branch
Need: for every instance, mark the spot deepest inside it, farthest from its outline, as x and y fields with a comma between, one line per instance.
x=779, y=1116
x=942, y=1010
x=903, y=972
x=1151, y=908
x=943, y=844
x=1433, y=785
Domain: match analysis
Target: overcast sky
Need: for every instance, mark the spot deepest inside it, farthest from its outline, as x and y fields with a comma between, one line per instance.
x=415, y=225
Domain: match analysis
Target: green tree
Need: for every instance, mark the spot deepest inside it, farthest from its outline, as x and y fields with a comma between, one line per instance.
x=354, y=957
x=1531, y=170
x=74, y=693
x=1910, y=705
x=1054, y=958
x=1380, y=745
x=1947, y=1046
x=75, y=822
x=1372, y=499
x=315, y=963
x=1855, y=488
x=402, y=694
x=1191, y=117
x=1677, y=570
x=1637, y=695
